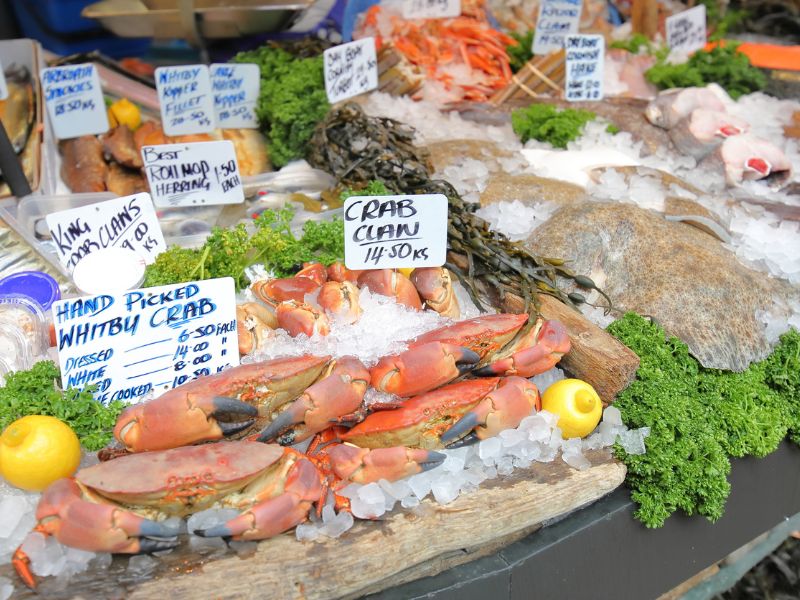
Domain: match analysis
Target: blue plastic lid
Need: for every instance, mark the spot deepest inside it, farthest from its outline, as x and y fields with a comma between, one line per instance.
x=34, y=284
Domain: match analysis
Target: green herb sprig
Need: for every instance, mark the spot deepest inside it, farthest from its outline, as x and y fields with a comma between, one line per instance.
x=699, y=418
x=37, y=391
x=544, y=122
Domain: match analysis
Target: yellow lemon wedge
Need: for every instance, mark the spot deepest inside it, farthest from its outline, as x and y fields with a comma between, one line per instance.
x=127, y=113
x=406, y=272
x=37, y=450
x=577, y=405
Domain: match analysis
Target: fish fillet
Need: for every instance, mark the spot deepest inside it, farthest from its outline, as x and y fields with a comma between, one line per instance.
x=83, y=168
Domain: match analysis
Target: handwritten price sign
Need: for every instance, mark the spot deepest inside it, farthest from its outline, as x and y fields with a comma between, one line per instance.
x=192, y=174
x=184, y=94
x=395, y=231
x=235, y=89
x=350, y=69
x=431, y=9
x=585, y=63
x=74, y=100
x=686, y=31
x=3, y=84
x=557, y=18
x=146, y=341
x=129, y=222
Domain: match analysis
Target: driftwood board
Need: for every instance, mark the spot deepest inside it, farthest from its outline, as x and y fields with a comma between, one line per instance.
x=370, y=557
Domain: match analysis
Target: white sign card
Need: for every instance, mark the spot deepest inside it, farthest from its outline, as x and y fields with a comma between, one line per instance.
x=193, y=174
x=74, y=100
x=3, y=84
x=431, y=9
x=395, y=231
x=585, y=64
x=235, y=88
x=350, y=69
x=686, y=30
x=147, y=340
x=128, y=222
x=184, y=94
x=557, y=18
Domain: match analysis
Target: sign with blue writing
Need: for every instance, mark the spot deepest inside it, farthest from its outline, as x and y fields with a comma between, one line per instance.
x=147, y=341
x=128, y=222
x=350, y=69
x=193, y=174
x=74, y=100
x=585, y=64
x=3, y=84
x=686, y=31
x=383, y=232
x=184, y=94
x=235, y=89
x=557, y=18
x=431, y=9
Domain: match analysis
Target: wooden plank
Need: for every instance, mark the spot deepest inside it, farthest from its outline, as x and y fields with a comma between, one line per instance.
x=596, y=356
x=370, y=557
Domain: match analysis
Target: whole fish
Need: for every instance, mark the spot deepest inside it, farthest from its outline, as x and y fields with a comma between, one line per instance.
x=703, y=130
x=17, y=111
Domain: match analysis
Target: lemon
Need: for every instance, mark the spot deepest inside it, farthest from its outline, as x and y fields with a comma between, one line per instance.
x=36, y=450
x=577, y=405
x=406, y=272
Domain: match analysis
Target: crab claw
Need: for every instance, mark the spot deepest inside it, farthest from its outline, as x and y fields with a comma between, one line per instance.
x=503, y=408
x=338, y=394
x=276, y=513
x=388, y=282
x=535, y=352
x=420, y=420
x=252, y=320
x=314, y=271
x=187, y=414
x=338, y=272
x=298, y=317
x=435, y=286
x=63, y=513
x=422, y=368
x=275, y=291
x=362, y=465
x=341, y=299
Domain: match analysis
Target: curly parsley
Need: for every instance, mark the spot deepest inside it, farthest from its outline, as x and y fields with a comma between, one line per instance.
x=544, y=122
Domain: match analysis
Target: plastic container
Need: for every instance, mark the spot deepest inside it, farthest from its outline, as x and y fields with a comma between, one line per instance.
x=36, y=285
x=24, y=331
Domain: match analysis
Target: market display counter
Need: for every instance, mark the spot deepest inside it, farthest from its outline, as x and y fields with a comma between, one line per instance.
x=602, y=552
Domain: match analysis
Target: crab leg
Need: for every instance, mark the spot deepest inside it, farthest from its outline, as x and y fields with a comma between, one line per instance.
x=504, y=408
x=338, y=394
x=187, y=414
x=277, y=514
x=422, y=368
x=64, y=513
x=362, y=465
x=535, y=352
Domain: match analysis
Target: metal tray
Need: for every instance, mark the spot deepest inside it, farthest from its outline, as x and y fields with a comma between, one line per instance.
x=210, y=19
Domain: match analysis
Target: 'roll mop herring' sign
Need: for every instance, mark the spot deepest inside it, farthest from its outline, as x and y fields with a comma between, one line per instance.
x=395, y=231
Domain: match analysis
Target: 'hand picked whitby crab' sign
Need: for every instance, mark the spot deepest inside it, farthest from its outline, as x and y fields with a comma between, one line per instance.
x=146, y=341
x=383, y=232
x=350, y=69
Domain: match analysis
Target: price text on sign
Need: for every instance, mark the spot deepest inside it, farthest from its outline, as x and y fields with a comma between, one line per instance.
x=129, y=222
x=193, y=174
x=557, y=18
x=350, y=69
x=74, y=100
x=3, y=85
x=395, y=231
x=148, y=340
x=585, y=62
x=687, y=30
x=184, y=94
x=235, y=89
x=431, y=9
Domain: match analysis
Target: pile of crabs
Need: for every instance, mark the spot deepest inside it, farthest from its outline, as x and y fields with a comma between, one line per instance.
x=225, y=440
